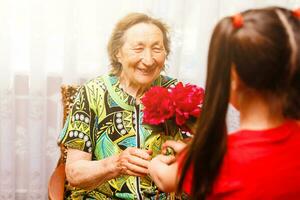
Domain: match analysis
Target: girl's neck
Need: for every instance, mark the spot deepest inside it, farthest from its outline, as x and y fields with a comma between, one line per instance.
x=260, y=112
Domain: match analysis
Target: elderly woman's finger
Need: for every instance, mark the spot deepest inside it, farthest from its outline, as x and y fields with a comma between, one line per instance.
x=149, y=151
x=131, y=173
x=136, y=169
x=138, y=161
x=144, y=154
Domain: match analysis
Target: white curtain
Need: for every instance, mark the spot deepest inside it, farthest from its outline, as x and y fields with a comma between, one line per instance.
x=47, y=43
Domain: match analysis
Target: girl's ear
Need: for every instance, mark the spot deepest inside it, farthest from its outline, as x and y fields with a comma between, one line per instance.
x=235, y=86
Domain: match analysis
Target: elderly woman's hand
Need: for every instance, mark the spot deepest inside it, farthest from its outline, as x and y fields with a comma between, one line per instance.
x=134, y=161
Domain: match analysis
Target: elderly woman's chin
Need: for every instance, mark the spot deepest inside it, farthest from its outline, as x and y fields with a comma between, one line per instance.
x=145, y=78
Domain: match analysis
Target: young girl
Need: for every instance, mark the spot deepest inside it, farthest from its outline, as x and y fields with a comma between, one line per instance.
x=253, y=63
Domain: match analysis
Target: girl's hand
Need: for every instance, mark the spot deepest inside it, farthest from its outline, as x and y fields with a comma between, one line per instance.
x=163, y=171
x=177, y=146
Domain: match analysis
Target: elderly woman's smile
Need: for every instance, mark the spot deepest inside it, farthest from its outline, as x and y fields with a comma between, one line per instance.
x=146, y=70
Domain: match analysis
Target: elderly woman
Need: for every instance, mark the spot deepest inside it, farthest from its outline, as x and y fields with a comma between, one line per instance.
x=109, y=148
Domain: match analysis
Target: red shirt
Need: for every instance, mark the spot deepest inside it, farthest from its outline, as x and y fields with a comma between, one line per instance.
x=259, y=165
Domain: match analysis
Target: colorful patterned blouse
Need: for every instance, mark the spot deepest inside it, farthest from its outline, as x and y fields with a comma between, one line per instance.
x=104, y=121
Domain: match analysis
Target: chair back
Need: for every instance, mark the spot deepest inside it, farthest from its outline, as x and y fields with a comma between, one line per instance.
x=56, y=185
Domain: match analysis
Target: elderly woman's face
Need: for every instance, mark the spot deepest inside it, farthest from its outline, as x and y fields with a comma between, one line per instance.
x=143, y=54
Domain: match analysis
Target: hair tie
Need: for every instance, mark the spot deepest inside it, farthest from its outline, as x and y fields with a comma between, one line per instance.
x=296, y=13
x=237, y=20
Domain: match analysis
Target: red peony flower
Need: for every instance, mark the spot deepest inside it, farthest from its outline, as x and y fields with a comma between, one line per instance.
x=158, y=105
x=181, y=103
x=187, y=101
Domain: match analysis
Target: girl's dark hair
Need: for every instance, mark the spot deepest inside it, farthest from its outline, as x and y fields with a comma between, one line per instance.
x=264, y=54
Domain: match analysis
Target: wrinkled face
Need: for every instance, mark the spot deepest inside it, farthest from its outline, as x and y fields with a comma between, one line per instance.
x=142, y=55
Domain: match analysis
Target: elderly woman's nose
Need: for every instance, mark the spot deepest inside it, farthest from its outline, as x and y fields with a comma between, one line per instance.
x=148, y=58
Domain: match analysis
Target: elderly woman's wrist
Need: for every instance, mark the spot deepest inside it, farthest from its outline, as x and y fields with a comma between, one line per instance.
x=115, y=166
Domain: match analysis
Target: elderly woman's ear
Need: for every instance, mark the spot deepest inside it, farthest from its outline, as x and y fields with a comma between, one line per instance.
x=118, y=56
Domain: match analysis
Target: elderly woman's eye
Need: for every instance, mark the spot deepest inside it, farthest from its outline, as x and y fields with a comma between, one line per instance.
x=138, y=50
x=157, y=50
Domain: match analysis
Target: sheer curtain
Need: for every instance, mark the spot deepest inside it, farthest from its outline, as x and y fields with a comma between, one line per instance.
x=47, y=43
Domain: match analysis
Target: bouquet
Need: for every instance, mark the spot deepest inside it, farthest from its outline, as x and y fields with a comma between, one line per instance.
x=179, y=105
